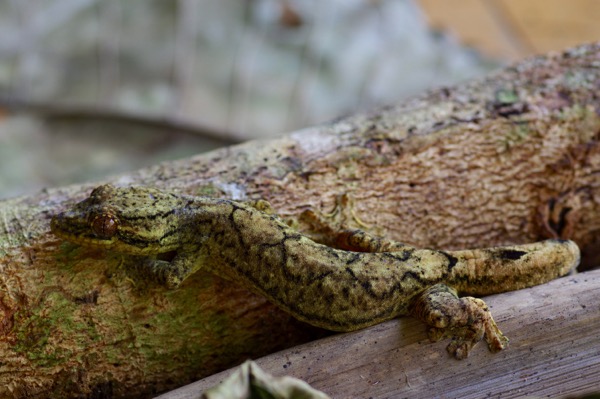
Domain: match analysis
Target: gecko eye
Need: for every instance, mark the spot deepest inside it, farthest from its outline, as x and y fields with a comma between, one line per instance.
x=105, y=225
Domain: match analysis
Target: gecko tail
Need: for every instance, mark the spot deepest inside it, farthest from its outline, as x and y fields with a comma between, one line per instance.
x=500, y=269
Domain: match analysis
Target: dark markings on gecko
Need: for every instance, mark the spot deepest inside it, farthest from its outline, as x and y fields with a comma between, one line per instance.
x=337, y=289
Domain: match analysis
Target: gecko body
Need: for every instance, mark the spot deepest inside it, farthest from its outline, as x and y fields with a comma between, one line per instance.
x=370, y=281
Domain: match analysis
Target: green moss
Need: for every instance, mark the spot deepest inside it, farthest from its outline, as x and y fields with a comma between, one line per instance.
x=40, y=335
x=208, y=190
x=65, y=257
x=506, y=96
x=516, y=135
x=575, y=112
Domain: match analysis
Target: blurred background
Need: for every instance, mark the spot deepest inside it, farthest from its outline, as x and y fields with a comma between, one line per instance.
x=91, y=88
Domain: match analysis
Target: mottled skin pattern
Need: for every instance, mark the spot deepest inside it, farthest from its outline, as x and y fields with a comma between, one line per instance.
x=369, y=281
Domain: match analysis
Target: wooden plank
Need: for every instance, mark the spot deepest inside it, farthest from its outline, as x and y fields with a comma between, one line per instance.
x=512, y=29
x=474, y=25
x=553, y=24
x=554, y=351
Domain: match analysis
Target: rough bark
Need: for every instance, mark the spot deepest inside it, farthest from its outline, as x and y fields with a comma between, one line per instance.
x=512, y=158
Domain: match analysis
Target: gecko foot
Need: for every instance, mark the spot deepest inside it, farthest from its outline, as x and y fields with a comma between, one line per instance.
x=169, y=274
x=465, y=320
x=161, y=272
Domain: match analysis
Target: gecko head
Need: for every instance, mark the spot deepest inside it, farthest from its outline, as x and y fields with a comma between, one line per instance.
x=134, y=220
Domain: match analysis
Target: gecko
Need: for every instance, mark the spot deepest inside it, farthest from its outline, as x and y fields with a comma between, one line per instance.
x=361, y=281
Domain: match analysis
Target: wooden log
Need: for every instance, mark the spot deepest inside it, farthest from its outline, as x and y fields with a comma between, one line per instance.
x=512, y=158
x=553, y=353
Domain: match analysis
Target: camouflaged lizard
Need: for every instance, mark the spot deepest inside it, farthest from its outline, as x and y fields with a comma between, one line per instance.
x=369, y=281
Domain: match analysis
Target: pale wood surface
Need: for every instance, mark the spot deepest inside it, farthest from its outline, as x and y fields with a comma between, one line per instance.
x=554, y=351
x=513, y=29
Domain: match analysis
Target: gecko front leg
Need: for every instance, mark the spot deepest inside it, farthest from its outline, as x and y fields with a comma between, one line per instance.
x=187, y=260
x=172, y=273
x=465, y=320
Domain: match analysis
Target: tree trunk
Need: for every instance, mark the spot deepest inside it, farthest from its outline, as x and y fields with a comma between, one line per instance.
x=513, y=158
